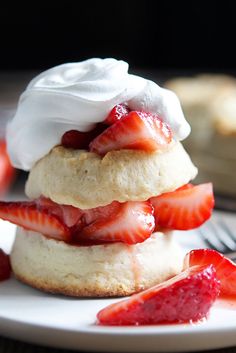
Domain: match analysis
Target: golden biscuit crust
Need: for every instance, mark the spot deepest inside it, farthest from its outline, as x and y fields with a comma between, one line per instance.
x=94, y=271
x=87, y=180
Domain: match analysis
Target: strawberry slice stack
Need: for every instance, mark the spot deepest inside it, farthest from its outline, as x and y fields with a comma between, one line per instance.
x=129, y=222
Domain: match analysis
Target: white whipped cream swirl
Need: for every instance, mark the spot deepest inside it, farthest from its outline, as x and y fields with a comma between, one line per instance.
x=77, y=96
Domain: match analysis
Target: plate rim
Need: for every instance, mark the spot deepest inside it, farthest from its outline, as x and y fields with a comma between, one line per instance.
x=105, y=334
x=158, y=329
x=82, y=339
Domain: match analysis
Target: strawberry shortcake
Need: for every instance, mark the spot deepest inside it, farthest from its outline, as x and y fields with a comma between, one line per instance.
x=108, y=181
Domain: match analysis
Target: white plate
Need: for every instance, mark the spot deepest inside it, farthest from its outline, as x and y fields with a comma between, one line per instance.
x=62, y=322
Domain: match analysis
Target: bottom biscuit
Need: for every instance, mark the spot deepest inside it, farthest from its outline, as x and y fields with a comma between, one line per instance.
x=106, y=270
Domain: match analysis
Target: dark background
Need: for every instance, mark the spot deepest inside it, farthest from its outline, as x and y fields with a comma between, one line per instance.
x=191, y=35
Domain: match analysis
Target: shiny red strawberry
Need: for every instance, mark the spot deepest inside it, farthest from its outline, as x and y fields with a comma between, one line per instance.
x=81, y=140
x=225, y=268
x=29, y=216
x=117, y=113
x=185, y=208
x=137, y=130
x=129, y=222
x=7, y=172
x=68, y=214
x=5, y=267
x=186, y=297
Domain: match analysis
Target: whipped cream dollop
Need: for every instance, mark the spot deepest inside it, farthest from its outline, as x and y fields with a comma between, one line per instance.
x=77, y=96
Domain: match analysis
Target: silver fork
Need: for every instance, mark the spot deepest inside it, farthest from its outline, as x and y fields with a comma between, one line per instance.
x=218, y=235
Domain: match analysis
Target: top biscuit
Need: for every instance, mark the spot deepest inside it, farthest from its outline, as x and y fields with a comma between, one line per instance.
x=86, y=180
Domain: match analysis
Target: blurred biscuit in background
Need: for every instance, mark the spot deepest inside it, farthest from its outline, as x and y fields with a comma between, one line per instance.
x=223, y=111
x=209, y=104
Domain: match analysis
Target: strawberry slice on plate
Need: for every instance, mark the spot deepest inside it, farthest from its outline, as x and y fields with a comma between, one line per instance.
x=117, y=113
x=185, y=208
x=186, y=297
x=29, y=216
x=129, y=222
x=225, y=268
x=5, y=267
x=137, y=130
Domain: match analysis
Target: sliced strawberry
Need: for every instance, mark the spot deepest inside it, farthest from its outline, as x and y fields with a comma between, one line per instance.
x=225, y=268
x=117, y=113
x=186, y=297
x=68, y=214
x=81, y=140
x=137, y=130
x=104, y=212
x=5, y=267
x=75, y=139
x=185, y=187
x=29, y=216
x=129, y=222
x=185, y=208
x=7, y=172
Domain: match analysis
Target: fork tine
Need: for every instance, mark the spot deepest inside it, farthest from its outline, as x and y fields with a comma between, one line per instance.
x=228, y=231
x=223, y=236
x=211, y=241
x=227, y=237
x=231, y=256
x=217, y=235
x=206, y=240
